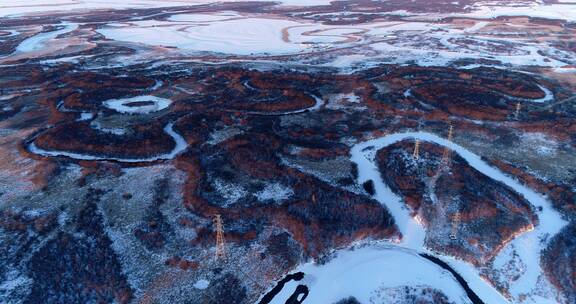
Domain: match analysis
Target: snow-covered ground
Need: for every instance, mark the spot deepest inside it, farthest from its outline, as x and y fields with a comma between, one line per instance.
x=420, y=41
x=562, y=11
x=363, y=272
x=16, y=8
x=275, y=192
x=242, y=36
x=220, y=16
x=181, y=145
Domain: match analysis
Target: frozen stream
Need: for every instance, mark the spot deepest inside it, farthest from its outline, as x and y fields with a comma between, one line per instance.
x=347, y=267
x=318, y=103
x=181, y=145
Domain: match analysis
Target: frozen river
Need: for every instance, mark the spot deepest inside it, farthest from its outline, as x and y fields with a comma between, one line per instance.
x=180, y=146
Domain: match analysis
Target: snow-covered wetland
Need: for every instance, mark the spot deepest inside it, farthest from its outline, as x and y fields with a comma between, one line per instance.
x=198, y=151
x=336, y=279
x=550, y=220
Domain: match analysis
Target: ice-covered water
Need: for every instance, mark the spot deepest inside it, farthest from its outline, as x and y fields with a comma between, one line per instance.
x=123, y=105
x=180, y=146
x=38, y=41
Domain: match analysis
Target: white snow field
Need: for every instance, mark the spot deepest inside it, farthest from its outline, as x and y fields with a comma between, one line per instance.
x=362, y=271
x=484, y=9
x=15, y=8
x=563, y=11
x=220, y=16
x=243, y=36
x=420, y=41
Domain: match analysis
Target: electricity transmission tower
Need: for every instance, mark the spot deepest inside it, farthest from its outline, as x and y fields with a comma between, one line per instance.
x=416, y=153
x=220, y=250
x=450, y=132
x=446, y=154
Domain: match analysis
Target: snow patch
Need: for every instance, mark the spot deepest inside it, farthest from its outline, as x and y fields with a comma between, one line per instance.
x=85, y=116
x=202, y=284
x=275, y=192
x=232, y=193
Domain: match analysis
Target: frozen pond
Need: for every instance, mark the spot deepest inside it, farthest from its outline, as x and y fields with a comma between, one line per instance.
x=138, y=105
